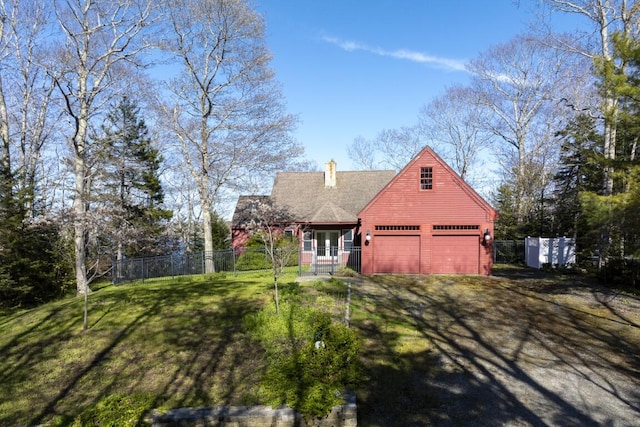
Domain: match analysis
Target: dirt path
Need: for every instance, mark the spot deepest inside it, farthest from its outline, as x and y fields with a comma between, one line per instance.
x=510, y=351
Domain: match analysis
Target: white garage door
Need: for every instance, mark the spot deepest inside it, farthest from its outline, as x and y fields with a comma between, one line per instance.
x=396, y=254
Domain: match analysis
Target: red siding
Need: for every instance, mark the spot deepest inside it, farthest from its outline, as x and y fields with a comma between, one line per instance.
x=450, y=202
x=239, y=237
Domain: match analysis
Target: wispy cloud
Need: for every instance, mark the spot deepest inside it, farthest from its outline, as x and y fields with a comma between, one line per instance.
x=409, y=55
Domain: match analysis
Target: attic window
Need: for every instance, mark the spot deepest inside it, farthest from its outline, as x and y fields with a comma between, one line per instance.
x=426, y=178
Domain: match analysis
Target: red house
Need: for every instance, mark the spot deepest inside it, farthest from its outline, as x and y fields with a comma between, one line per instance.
x=423, y=220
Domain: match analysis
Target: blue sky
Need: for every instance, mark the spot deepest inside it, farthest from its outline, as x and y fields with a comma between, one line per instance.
x=351, y=67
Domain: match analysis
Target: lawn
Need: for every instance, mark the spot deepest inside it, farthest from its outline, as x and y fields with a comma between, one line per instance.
x=436, y=350
x=177, y=343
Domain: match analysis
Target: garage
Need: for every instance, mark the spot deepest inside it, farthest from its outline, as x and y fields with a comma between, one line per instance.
x=427, y=220
x=455, y=254
x=397, y=254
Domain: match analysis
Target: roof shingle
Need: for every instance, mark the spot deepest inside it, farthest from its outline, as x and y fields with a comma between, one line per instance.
x=304, y=194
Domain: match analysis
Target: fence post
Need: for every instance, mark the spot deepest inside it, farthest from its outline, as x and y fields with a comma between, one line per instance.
x=233, y=261
x=333, y=260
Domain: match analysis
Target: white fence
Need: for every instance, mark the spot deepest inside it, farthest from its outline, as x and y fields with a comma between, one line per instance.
x=555, y=252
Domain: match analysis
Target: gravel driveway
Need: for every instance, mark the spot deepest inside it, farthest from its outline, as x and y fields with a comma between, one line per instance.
x=518, y=350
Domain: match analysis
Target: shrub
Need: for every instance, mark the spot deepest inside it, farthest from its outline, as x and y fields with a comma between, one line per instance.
x=253, y=259
x=311, y=359
x=622, y=272
x=33, y=266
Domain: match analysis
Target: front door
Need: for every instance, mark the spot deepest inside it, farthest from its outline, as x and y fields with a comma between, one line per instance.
x=327, y=243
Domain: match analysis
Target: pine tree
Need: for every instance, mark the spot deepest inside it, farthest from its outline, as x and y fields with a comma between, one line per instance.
x=580, y=171
x=220, y=233
x=131, y=191
x=614, y=213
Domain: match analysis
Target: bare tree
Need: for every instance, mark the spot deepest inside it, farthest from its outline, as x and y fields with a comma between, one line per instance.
x=31, y=90
x=269, y=223
x=390, y=148
x=362, y=153
x=224, y=107
x=520, y=84
x=399, y=146
x=453, y=125
x=100, y=38
x=187, y=219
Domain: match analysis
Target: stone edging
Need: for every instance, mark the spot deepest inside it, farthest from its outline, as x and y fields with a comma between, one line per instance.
x=254, y=416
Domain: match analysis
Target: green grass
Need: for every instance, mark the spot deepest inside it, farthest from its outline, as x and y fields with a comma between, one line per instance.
x=181, y=341
x=203, y=341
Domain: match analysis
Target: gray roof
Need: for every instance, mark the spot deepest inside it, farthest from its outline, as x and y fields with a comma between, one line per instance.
x=245, y=207
x=305, y=196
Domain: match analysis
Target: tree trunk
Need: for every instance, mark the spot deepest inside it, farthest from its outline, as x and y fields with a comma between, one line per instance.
x=80, y=196
x=275, y=285
x=119, y=259
x=80, y=227
x=209, y=266
x=5, y=153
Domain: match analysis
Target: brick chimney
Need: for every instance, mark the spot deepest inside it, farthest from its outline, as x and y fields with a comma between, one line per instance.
x=330, y=174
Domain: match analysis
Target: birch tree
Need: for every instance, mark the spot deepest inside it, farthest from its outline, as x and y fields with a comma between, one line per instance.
x=6, y=180
x=33, y=115
x=224, y=106
x=520, y=84
x=32, y=265
x=99, y=39
x=25, y=100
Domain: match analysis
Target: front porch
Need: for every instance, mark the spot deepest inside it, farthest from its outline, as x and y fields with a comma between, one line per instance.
x=327, y=249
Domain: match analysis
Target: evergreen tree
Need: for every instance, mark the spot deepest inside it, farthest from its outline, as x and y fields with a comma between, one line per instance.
x=33, y=264
x=506, y=226
x=537, y=220
x=220, y=232
x=579, y=172
x=33, y=268
x=131, y=189
x=615, y=213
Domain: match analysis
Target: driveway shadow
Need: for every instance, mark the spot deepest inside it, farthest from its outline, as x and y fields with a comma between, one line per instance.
x=485, y=351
